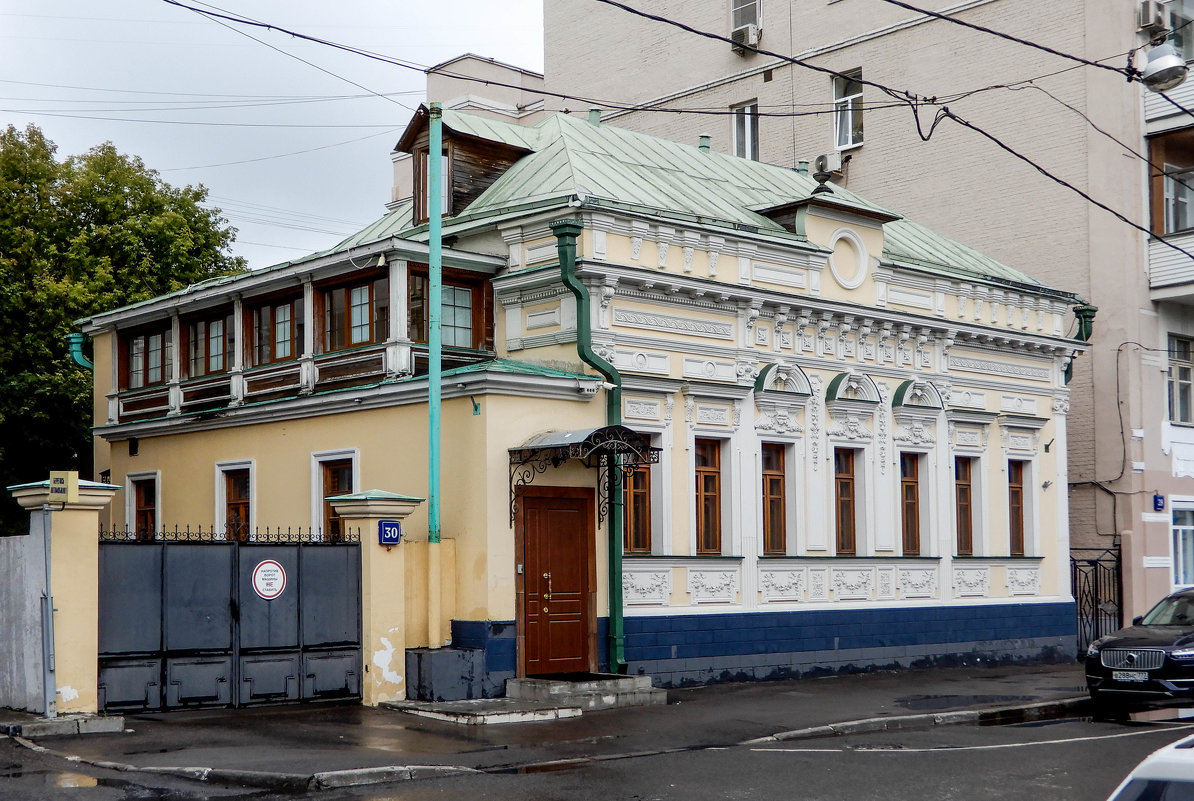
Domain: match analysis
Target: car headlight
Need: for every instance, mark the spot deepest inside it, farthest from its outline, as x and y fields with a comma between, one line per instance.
x=1097, y=645
x=1182, y=653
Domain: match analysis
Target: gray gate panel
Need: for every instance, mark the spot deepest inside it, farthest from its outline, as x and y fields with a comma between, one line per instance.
x=199, y=680
x=331, y=593
x=130, y=598
x=130, y=684
x=269, y=623
x=268, y=678
x=332, y=674
x=198, y=597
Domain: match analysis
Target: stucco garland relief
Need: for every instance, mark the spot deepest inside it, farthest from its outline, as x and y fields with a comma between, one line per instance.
x=968, y=436
x=712, y=415
x=778, y=418
x=712, y=262
x=972, y=581
x=668, y=404
x=1061, y=404
x=884, y=407
x=818, y=584
x=989, y=366
x=853, y=584
x=636, y=247
x=918, y=582
x=647, y=587
x=712, y=586
x=1023, y=580
x=915, y=432
x=683, y=325
x=689, y=252
x=826, y=342
x=1019, y=439
x=850, y=427
x=814, y=421
x=885, y=589
x=804, y=337
x=643, y=409
x=661, y=249
x=689, y=406
x=778, y=586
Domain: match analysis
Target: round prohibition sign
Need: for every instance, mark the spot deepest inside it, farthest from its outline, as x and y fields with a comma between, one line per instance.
x=269, y=579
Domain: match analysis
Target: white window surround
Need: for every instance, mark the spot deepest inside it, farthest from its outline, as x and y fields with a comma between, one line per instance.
x=979, y=527
x=1183, y=503
x=746, y=12
x=220, y=516
x=130, y=496
x=745, y=119
x=317, y=460
x=849, y=276
x=730, y=502
x=847, y=104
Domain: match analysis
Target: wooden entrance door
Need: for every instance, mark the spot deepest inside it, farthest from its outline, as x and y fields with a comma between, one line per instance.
x=557, y=629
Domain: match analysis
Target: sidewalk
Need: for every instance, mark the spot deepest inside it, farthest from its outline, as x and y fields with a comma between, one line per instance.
x=331, y=745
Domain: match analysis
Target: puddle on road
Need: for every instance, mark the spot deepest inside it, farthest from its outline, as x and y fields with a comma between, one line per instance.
x=930, y=703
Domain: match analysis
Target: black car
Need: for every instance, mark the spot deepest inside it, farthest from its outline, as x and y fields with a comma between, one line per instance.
x=1151, y=661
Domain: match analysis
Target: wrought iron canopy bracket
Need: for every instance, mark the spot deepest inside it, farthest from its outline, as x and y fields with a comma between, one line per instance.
x=615, y=446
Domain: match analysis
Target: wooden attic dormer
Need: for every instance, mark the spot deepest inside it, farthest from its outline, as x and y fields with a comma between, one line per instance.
x=476, y=153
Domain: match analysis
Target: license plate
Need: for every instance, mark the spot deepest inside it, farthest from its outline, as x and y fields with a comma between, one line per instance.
x=1129, y=675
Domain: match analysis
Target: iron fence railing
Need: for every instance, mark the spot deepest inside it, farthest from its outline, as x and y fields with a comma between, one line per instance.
x=1097, y=580
x=201, y=534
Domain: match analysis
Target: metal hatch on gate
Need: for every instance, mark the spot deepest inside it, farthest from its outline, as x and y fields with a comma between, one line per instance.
x=611, y=449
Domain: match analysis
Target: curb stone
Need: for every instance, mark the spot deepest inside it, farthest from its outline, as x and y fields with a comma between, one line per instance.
x=1043, y=710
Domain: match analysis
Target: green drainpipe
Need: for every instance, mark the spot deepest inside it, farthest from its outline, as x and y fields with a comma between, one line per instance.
x=566, y=232
x=74, y=341
x=1085, y=314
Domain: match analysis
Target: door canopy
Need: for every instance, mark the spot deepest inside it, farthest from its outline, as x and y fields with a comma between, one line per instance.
x=607, y=448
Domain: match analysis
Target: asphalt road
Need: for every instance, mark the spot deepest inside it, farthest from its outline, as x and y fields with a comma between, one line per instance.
x=1068, y=760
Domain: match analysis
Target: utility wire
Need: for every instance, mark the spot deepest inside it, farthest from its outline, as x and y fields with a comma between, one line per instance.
x=945, y=113
x=390, y=132
x=1128, y=73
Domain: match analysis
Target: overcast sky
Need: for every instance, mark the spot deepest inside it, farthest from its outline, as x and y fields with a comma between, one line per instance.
x=190, y=96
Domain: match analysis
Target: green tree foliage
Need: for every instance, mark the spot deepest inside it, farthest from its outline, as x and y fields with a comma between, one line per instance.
x=79, y=237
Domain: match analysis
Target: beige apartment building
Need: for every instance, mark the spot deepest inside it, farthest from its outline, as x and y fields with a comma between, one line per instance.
x=1131, y=442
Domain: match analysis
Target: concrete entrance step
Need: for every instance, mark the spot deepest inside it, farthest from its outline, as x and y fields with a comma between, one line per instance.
x=487, y=710
x=588, y=691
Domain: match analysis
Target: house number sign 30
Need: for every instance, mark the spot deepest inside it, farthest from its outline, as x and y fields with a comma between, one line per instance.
x=269, y=579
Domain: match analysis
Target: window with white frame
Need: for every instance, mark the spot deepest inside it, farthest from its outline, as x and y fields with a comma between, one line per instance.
x=774, y=498
x=234, y=499
x=707, y=453
x=1183, y=545
x=1181, y=379
x=847, y=109
x=1181, y=15
x=965, y=475
x=141, y=504
x=332, y=473
x=845, y=500
x=910, y=502
x=746, y=130
x=1017, y=505
x=743, y=13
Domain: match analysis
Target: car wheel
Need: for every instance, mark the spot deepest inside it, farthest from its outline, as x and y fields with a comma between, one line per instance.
x=1105, y=709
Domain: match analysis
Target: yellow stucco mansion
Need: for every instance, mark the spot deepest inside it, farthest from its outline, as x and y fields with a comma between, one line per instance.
x=704, y=419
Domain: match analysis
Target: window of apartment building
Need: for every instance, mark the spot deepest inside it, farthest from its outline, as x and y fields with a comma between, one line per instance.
x=746, y=130
x=1183, y=545
x=143, y=505
x=336, y=477
x=844, y=501
x=743, y=13
x=355, y=314
x=775, y=515
x=148, y=358
x=277, y=331
x=209, y=346
x=636, y=532
x=910, y=502
x=237, y=503
x=708, y=495
x=1172, y=181
x=460, y=310
x=423, y=184
x=964, y=504
x=1181, y=380
x=1181, y=15
x=1016, y=475
x=847, y=108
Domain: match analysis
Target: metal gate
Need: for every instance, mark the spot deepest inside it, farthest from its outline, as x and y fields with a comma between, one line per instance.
x=1096, y=579
x=218, y=623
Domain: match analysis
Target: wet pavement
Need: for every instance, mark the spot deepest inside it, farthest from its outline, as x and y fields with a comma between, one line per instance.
x=287, y=746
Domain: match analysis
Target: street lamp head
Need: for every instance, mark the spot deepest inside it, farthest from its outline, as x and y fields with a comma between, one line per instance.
x=1165, y=69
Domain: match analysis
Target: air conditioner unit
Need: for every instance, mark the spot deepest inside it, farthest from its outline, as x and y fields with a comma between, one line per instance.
x=743, y=37
x=1152, y=17
x=828, y=162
